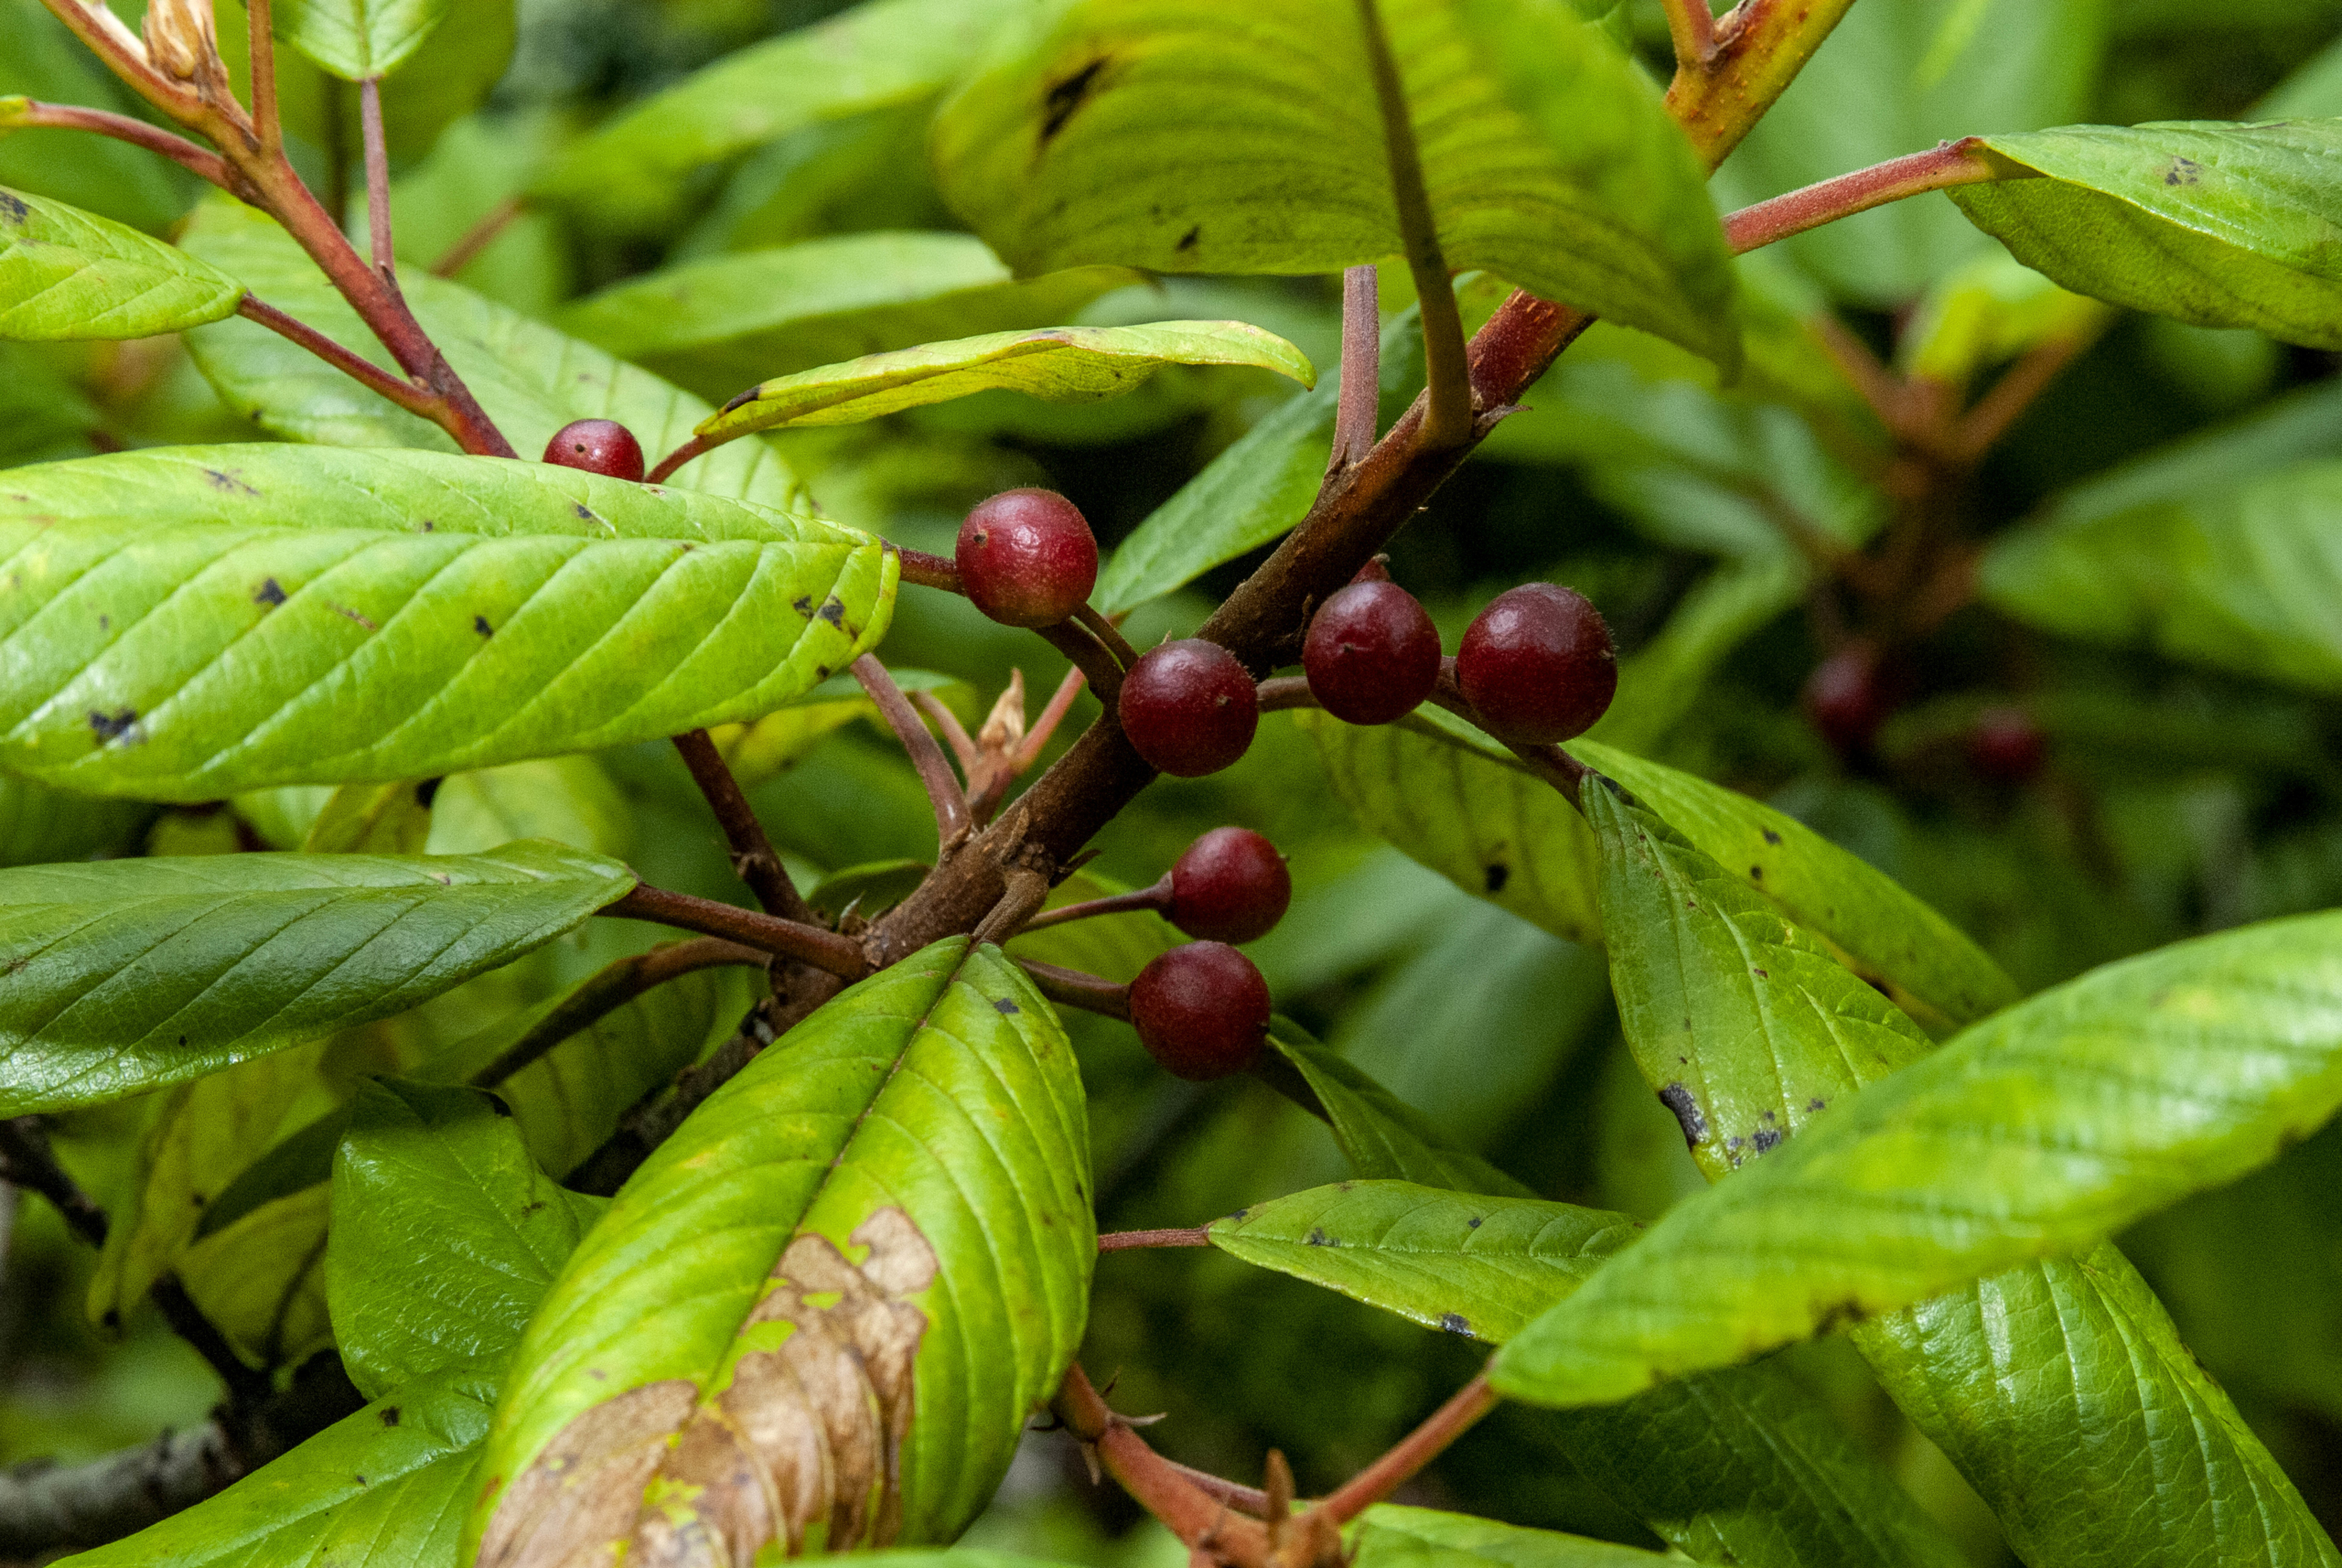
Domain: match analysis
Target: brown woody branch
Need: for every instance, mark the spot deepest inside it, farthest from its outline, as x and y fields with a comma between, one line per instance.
x=824, y=950
x=754, y=859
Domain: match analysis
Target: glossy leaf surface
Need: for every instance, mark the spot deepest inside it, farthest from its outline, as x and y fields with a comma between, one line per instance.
x=129, y=974
x=873, y=55
x=1383, y=1137
x=723, y=323
x=311, y=615
x=383, y=1488
x=1063, y=364
x=531, y=378
x=2242, y=577
x=1215, y=136
x=1389, y=1536
x=358, y=39
x=869, y=1253
x=1480, y=1266
x=1746, y=1030
x=445, y=1234
x=2218, y=224
x=2046, y=1127
x=66, y=273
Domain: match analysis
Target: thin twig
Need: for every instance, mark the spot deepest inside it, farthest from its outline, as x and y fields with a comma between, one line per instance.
x=611, y=988
x=930, y=571
x=770, y=933
x=952, y=822
x=1235, y=1494
x=377, y=176
x=1075, y=989
x=754, y=859
x=27, y=1161
x=1092, y=657
x=1029, y=750
x=358, y=368
x=666, y=465
x=1103, y=628
x=1692, y=27
x=1360, y=409
x=1163, y=1489
x=1282, y=692
x=205, y=165
x=1119, y=1240
x=955, y=734
x=1417, y=1449
x=1447, y=422
x=477, y=238
x=1963, y=162
x=1879, y=386
x=268, y=127
x=247, y=1386
x=1157, y=898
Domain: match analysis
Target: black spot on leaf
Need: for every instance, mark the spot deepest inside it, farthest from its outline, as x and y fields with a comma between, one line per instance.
x=1771, y=837
x=832, y=610
x=1004, y=1006
x=1473, y=1223
x=2184, y=171
x=1761, y=975
x=1757, y=874
x=1767, y=1139
x=1456, y=1322
x=115, y=726
x=586, y=512
x=746, y=397
x=1187, y=241
x=1688, y=1114
x=1814, y=1104
x=479, y=625
x=804, y=604
x=270, y=593
x=221, y=481
x=13, y=209
x=1066, y=96
x=390, y=1415
x=1317, y=1237
x=1495, y=877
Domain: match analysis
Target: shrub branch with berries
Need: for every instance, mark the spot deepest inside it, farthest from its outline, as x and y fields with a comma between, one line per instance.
x=571, y=1124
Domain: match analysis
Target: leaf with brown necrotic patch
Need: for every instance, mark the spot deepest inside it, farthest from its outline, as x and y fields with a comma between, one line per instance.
x=816, y=1319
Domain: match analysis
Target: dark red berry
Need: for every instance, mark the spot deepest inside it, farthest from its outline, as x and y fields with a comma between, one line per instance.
x=1190, y=707
x=1846, y=698
x=2006, y=746
x=1026, y=557
x=598, y=447
x=1230, y=887
x=1372, y=654
x=1201, y=1011
x=1538, y=664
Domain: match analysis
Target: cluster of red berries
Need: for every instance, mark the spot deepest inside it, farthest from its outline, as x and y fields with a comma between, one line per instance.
x=1202, y=1009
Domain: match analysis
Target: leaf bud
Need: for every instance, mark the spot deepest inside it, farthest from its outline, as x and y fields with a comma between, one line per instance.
x=179, y=38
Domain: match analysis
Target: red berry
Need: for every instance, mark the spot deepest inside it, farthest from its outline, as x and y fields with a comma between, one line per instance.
x=1026, y=557
x=1190, y=707
x=1372, y=654
x=2006, y=746
x=1201, y=1011
x=1538, y=664
x=1230, y=887
x=1846, y=699
x=598, y=447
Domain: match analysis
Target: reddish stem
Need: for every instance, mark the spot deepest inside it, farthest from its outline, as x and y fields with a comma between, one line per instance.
x=268, y=128
x=1060, y=703
x=1283, y=691
x=1075, y=989
x=1166, y=1491
x=1955, y=163
x=1122, y=1241
x=1417, y=1449
x=1157, y=898
x=407, y=395
x=695, y=447
x=477, y=238
x=1094, y=658
x=952, y=822
x=377, y=176
x=121, y=127
x=1693, y=29
x=1360, y=409
x=754, y=859
x=824, y=950
x=930, y=571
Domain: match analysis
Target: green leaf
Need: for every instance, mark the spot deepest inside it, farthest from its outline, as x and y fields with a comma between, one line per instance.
x=2219, y=224
x=129, y=974
x=1381, y=1136
x=358, y=39
x=1061, y=364
x=1457, y=802
x=875, y=55
x=1479, y=1266
x=260, y=1280
x=1389, y=1536
x=532, y=378
x=314, y=615
x=1895, y=77
x=200, y=1138
x=726, y=322
x=2040, y=1130
x=44, y=62
x=1882, y=933
x=1747, y=1029
x=1256, y=491
x=895, y=1206
x=377, y=819
x=383, y=1488
x=445, y=1235
x=1214, y=137
x=38, y=823
x=66, y=273
x=2245, y=577
x=569, y=800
